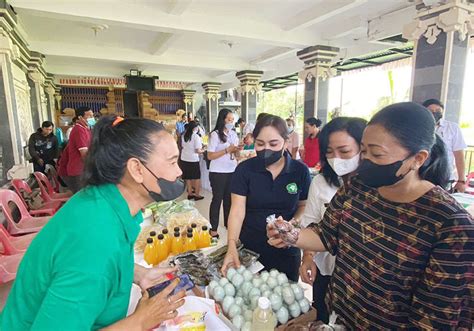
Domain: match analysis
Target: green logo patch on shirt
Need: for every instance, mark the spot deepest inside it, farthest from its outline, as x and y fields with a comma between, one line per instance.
x=292, y=188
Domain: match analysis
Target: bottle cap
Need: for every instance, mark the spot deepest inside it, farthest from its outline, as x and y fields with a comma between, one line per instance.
x=177, y=234
x=152, y=233
x=263, y=303
x=193, y=225
x=161, y=237
x=149, y=241
x=176, y=229
x=204, y=228
x=190, y=234
x=165, y=231
x=190, y=230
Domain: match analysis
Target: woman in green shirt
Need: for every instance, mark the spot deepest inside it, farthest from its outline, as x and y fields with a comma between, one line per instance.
x=78, y=272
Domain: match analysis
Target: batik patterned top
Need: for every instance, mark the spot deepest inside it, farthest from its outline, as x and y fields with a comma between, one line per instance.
x=399, y=265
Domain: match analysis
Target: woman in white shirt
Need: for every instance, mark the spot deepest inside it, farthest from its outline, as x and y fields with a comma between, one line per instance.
x=222, y=150
x=191, y=144
x=339, y=144
x=293, y=139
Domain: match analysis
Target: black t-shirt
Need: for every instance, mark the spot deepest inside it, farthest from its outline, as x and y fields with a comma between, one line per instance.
x=41, y=147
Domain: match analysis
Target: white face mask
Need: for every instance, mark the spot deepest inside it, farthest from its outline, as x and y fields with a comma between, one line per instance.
x=344, y=166
x=290, y=129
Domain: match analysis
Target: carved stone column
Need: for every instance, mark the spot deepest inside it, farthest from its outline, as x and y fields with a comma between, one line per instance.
x=188, y=99
x=249, y=88
x=317, y=69
x=50, y=91
x=110, y=108
x=441, y=35
x=211, y=95
x=146, y=107
x=38, y=96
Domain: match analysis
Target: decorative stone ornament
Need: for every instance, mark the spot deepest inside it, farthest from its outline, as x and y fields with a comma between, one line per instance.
x=454, y=16
x=188, y=96
x=249, y=81
x=211, y=91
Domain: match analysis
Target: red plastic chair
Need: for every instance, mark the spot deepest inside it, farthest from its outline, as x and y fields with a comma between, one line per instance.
x=14, y=245
x=47, y=190
x=9, y=266
x=48, y=208
x=469, y=189
x=27, y=223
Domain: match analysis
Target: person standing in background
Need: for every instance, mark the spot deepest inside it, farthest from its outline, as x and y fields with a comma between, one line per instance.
x=222, y=151
x=79, y=142
x=311, y=143
x=293, y=139
x=455, y=144
x=43, y=147
x=68, y=132
x=191, y=144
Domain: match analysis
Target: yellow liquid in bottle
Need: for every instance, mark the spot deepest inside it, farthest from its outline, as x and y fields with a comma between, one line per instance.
x=204, y=238
x=167, y=239
x=161, y=249
x=189, y=244
x=150, y=252
x=177, y=244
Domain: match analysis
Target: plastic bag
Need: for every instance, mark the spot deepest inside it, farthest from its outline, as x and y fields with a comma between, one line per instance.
x=289, y=231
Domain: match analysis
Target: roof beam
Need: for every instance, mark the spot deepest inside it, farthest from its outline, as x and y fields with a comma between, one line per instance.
x=153, y=19
x=272, y=54
x=321, y=12
x=390, y=24
x=162, y=42
x=353, y=27
x=178, y=7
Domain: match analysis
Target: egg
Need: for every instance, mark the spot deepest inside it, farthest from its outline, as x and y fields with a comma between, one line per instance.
x=230, y=273
x=226, y=303
x=282, y=315
x=254, y=302
x=237, y=280
x=275, y=301
x=256, y=282
x=254, y=292
x=272, y=282
x=287, y=294
x=282, y=279
x=248, y=275
x=264, y=287
x=274, y=273
x=278, y=290
x=218, y=293
x=304, y=305
x=247, y=326
x=239, y=301
x=229, y=290
x=248, y=315
x=264, y=275
x=239, y=293
x=223, y=281
x=297, y=291
x=295, y=309
x=267, y=294
x=238, y=321
x=246, y=287
x=241, y=269
x=212, y=285
x=235, y=310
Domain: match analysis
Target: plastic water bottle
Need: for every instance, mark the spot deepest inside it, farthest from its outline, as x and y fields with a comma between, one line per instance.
x=263, y=318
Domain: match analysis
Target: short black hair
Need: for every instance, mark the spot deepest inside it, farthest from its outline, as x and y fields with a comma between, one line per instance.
x=81, y=110
x=274, y=121
x=430, y=102
x=261, y=115
x=113, y=145
x=314, y=121
x=240, y=121
x=47, y=124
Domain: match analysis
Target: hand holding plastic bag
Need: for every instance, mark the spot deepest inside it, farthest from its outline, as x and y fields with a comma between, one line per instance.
x=282, y=233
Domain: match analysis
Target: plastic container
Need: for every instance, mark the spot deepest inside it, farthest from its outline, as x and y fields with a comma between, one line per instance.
x=204, y=238
x=150, y=252
x=167, y=238
x=176, y=244
x=263, y=318
x=161, y=248
x=189, y=244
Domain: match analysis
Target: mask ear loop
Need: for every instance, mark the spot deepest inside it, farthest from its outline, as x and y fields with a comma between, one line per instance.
x=409, y=170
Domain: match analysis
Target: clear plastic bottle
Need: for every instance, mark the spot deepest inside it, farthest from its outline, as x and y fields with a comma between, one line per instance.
x=263, y=318
x=177, y=244
x=153, y=236
x=150, y=252
x=204, y=238
x=167, y=238
x=161, y=249
x=189, y=244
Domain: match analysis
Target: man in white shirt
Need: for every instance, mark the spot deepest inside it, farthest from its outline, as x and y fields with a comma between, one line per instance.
x=452, y=137
x=245, y=128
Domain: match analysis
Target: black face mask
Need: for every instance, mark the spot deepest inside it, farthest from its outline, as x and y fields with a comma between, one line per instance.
x=437, y=116
x=169, y=190
x=269, y=156
x=375, y=175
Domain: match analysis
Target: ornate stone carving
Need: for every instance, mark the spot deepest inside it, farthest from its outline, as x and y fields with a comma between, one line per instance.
x=146, y=107
x=456, y=15
x=188, y=96
x=249, y=81
x=319, y=71
x=23, y=107
x=110, y=104
x=211, y=91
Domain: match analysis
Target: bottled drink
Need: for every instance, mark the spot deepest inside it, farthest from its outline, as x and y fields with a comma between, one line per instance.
x=153, y=236
x=189, y=244
x=263, y=318
x=177, y=229
x=204, y=238
x=195, y=229
x=167, y=238
x=161, y=249
x=176, y=244
x=150, y=252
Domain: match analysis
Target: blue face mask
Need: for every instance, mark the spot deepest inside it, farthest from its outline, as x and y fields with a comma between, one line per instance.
x=91, y=122
x=229, y=126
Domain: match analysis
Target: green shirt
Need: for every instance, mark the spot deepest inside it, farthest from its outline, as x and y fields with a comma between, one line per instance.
x=78, y=271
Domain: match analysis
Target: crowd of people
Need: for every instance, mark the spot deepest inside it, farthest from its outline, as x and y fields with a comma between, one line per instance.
x=375, y=232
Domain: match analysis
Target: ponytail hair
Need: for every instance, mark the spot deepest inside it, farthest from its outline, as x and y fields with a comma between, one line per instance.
x=114, y=143
x=414, y=127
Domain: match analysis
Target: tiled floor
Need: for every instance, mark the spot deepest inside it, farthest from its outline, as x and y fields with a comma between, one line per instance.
x=203, y=207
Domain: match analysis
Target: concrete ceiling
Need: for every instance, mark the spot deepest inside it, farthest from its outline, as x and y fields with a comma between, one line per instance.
x=202, y=40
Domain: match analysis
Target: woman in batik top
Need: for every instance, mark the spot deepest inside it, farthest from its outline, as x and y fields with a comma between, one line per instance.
x=404, y=247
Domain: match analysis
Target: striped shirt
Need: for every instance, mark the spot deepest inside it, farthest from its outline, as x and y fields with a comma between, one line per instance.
x=399, y=265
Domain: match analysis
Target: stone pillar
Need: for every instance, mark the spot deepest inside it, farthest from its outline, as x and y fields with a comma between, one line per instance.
x=188, y=99
x=50, y=98
x=211, y=94
x=317, y=69
x=38, y=101
x=249, y=87
x=441, y=36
